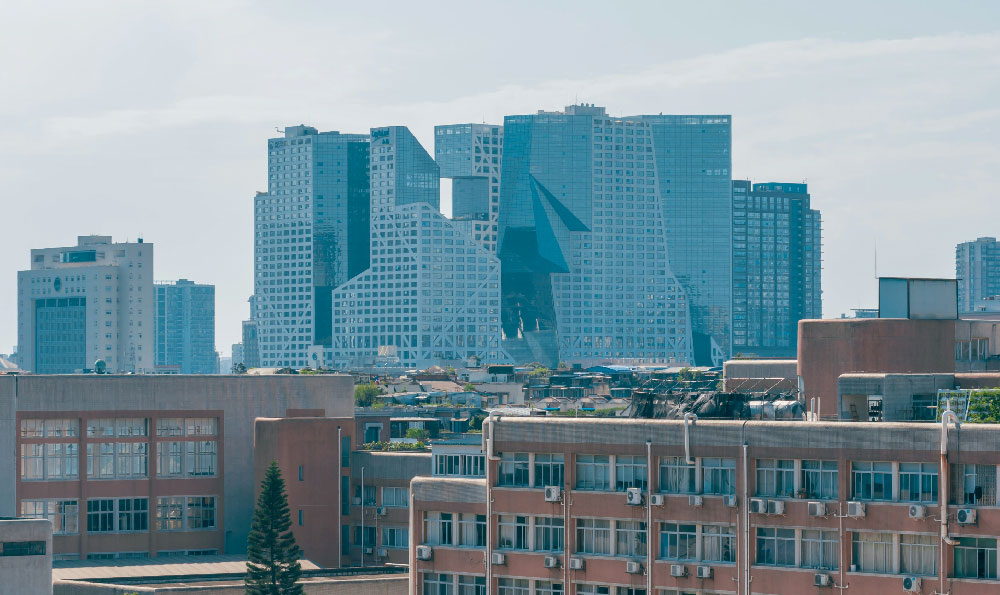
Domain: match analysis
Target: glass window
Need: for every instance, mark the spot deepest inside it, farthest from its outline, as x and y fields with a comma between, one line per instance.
x=438, y=528
x=109, y=515
x=678, y=542
x=718, y=476
x=630, y=472
x=396, y=497
x=169, y=459
x=775, y=477
x=513, y=469
x=819, y=479
x=548, y=470
x=976, y=557
x=592, y=472
x=548, y=588
x=132, y=426
x=512, y=586
x=718, y=543
x=133, y=460
x=170, y=426
x=512, y=532
x=871, y=480
x=593, y=536
x=918, y=554
x=471, y=585
x=630, y=538
x=201, y=512
x=872, y=551
x=676, y=476
x=918, y=482
x=548, y=534
x=438, y=584
x=586, y=589
x=63, y=514
x=471, y=530
x=170, y=513
x=820, y=549
x=133, y=514
x=32, y=428
x=100, y=427
x=396, y=537
x=775, y=547
x=201, y=458
x=974, y=484
x=201, y=426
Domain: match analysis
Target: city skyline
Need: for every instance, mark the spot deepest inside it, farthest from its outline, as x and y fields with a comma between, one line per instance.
x=855, y=108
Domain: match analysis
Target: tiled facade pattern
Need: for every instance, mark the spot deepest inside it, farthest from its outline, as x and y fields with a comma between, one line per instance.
x=471, y=155
x=977, y=268
x=185, y=328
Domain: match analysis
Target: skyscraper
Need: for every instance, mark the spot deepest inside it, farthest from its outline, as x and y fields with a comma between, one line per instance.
x=310, y=235
x=694, y=161
x=471, y=155
x=79, y=304
x=432, y=292
x=185, y=328
x=977, y=267
x=583, y=241
x=777, y=255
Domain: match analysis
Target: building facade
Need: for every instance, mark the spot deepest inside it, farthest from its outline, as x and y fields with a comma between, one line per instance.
x=694, y=165
x=251, y=345
x=145, y=465
x=777, y=257
x=471, y=155
x=583, y=241
x=432, y=293
x=977, y=267
x=26, y=556
x=637, y=507
x=79, y=304
x=185, y=328
x=310, y=235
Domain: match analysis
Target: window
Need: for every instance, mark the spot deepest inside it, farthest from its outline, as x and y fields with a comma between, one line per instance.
x=170, y=513
x=133, y=459
x=584, y=589
x=718, y=543
x=201, y=458
x=100, y=427
x=471, y=585
x=438, y=528
x=593, y=536
x=819, y=479
x=170, y=426
x=548, y=470
x=512, y=532
x=63, y=514
x=201, y=513
x=775, y=477
x=592, y=472
x=512, y=586
x=976, y=557
x=548, y=534
x=974, y=484
x=918, y=554
x=630, y=472
x=918, y=482
x=52, y=462
x=820, y=549
x=396, y=497
x=117, y=515
x=201, y=426
x=170, y=459
x=396, y=537
x=438, y=584
x=132, y=427
x=678, y=542
x=630, y=538
x=718, y=476
x=629, y=591
x=775, y=547
x=513, y=469
x=117, y=460
x=676, y=476
x=50, y=428
x=22, y=548
x=871, y=481
x=447, y=464
x=548, y=588
x=872, y=552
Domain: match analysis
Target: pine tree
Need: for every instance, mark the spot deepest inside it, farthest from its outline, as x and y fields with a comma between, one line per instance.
x=272, y=556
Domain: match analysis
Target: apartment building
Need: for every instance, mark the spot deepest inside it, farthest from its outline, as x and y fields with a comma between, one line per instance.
x=636, y=507
x=144, y=466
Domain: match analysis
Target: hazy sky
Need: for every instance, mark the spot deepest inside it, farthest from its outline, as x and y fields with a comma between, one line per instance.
x=151, y=119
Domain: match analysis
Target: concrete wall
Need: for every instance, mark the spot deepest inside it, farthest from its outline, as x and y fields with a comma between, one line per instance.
x=897, y=392
x=394, y=585
x=760, y=368
x=24, y=575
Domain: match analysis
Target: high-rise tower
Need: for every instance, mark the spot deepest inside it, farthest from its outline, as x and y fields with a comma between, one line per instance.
x=977, y=267
x=471, y=155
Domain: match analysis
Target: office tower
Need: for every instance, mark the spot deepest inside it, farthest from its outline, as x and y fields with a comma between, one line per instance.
x=251, y=344
x=310, y=235
x=432, y=293
x=79, y=304
x=694, y=161
x=470, y=154
x=586, y=277
x=185, y=328
x=977, y=267
x=777, y=253
x=236, y=356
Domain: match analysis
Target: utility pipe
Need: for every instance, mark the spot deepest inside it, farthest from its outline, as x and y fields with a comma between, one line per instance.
x=340, y=506
x=363, y=543
x=688, y=419
x=490, y=456
x=943, y=481
x=649, y=516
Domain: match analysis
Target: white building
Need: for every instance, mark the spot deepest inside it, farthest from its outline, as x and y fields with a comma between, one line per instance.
x=471, y=155
x=79, y=304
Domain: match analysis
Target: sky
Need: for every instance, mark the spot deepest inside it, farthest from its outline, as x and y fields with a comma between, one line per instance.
x=141, y=119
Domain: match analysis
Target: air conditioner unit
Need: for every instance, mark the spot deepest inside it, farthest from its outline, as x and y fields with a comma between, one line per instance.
x=817, y=509
x=633, y=497
x=369, y=551
x=551, y=562
x=633, y=567
x=918, y=511
x=383, y=552
x=498, y=559
x=775, y=507
x=380, y=511
x=424, y=552
x=821, y=580
x=966, y=516
x=696, y=500
x=758, y=506
x=678, y=570
x=911, y=584
x=553, y=494
x=656, y=500
x=357, y=501
x=704, y=572
x=856, y=509
x=576, y=563
x=730, y=501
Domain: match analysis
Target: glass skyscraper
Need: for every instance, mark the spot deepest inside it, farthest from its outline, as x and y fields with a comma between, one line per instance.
x=977, y=267
x=471, y=155
x=583, y=242
x=185, y=328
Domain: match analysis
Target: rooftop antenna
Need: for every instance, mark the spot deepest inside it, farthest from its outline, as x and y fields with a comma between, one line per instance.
x=279, y=130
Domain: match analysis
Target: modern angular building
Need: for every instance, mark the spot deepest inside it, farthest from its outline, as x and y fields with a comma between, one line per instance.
x=432, y=293
x=977, y=267
x=310, y=235
x=694, y=165
x=777, y=256
x=471, y=155
x=584, y=243
x=79, y=304
x=185, y=328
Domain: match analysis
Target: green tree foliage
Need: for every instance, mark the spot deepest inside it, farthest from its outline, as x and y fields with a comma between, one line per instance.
x=418, y=433
x=239, y=369
x=469, y=387
x=272, y=556
x=984, y=407
x=364, y=394
x=476, y=422
x=539, y=371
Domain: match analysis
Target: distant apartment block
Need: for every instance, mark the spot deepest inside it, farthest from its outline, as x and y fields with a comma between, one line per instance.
x=777, y=256
x=79, y=304
x=977, y=267
x=471, y=155
x=185, y=328
x=310, y=235
x=251, y=344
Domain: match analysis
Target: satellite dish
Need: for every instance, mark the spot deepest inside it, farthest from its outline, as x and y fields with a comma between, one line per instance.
x=100, y=366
